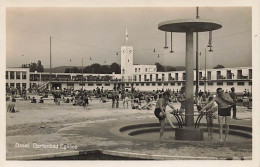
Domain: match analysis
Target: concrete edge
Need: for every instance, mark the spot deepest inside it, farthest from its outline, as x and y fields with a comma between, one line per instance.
x=122, y=154
x=166, y=157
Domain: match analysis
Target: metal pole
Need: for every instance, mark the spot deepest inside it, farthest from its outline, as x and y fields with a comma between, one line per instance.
x=189, y=89
x=197, y=56
x=205, y=85
x=165, y=47
x=50, y=68
x=171, y=43
x=70, y=66
x=197, y=13
x=82, y=75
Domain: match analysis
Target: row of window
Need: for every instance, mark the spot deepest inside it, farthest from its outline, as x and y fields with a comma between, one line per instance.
x=138, y=69
x=200, y=83
x=15, y=75
x=17, y=85
x=219, y=76
x=146, y=69
x=165, y=84
x=89, y=84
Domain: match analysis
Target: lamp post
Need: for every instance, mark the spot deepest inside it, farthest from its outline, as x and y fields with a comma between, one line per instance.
x=50, y=68
x=197, y=56
x=82, y=76
x=205, y=84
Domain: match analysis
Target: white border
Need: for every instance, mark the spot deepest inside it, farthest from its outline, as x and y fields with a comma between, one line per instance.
x=136, y=3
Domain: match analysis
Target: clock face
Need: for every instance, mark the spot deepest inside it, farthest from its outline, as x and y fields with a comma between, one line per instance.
x=123, y=51
x=130, y=51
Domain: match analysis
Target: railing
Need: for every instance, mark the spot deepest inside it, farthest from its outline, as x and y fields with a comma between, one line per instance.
x=43, y=85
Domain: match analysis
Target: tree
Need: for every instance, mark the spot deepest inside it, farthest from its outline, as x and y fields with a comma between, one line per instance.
x=97, y=69
x=219, y=66
x=67, y=70
x=39, y=66
x=114, y=67
x=104, y=69
x=73, y=70
x=34, y=66
x=170, y=68
x=160, y=68
x=87, y=69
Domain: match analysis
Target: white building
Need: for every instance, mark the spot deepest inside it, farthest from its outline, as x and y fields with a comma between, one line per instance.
x=140, y=77
x=238, y=77
x=128, y=69
x=127, y=59
x=144, y=68
x=17, y=77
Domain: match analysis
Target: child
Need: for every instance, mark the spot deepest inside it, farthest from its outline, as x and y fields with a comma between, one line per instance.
x=210, y=115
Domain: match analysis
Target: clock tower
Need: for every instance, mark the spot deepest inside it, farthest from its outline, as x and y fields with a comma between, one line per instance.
x=127, y=60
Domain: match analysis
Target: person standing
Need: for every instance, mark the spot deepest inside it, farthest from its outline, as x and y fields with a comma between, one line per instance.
x=160, y=111
x=113, y=98
x=182, y=99
x=123, y=97
x=224, y=102
x=210, y=114
x=232, y=94
x=117, y=99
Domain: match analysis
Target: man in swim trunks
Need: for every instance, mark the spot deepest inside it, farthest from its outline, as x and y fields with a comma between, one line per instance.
x=225, y=103
x=160, y=112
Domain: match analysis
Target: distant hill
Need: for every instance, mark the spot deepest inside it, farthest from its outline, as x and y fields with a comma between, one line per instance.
x=61, y=69
x=175, y=68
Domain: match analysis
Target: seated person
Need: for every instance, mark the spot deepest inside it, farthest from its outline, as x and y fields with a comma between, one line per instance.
x=148, y=104
x=33, y=100
x=103, y=98
x=67, y=100
x=13, y=99
x=41, y=100
x=135, y=104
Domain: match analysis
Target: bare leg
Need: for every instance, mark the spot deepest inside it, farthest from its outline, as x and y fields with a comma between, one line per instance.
x=117, y=104
x=113, y=104
x=169, y=121
x=220, y=121
x=211, y=126
x=208, y=125
x=181, y=111
x=162, y=123
x=227, y=122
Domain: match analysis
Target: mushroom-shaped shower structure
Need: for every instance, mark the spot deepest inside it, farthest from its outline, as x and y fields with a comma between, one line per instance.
x=189, y=26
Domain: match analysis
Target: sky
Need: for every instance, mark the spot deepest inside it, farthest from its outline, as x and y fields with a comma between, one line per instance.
x=99, y=33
